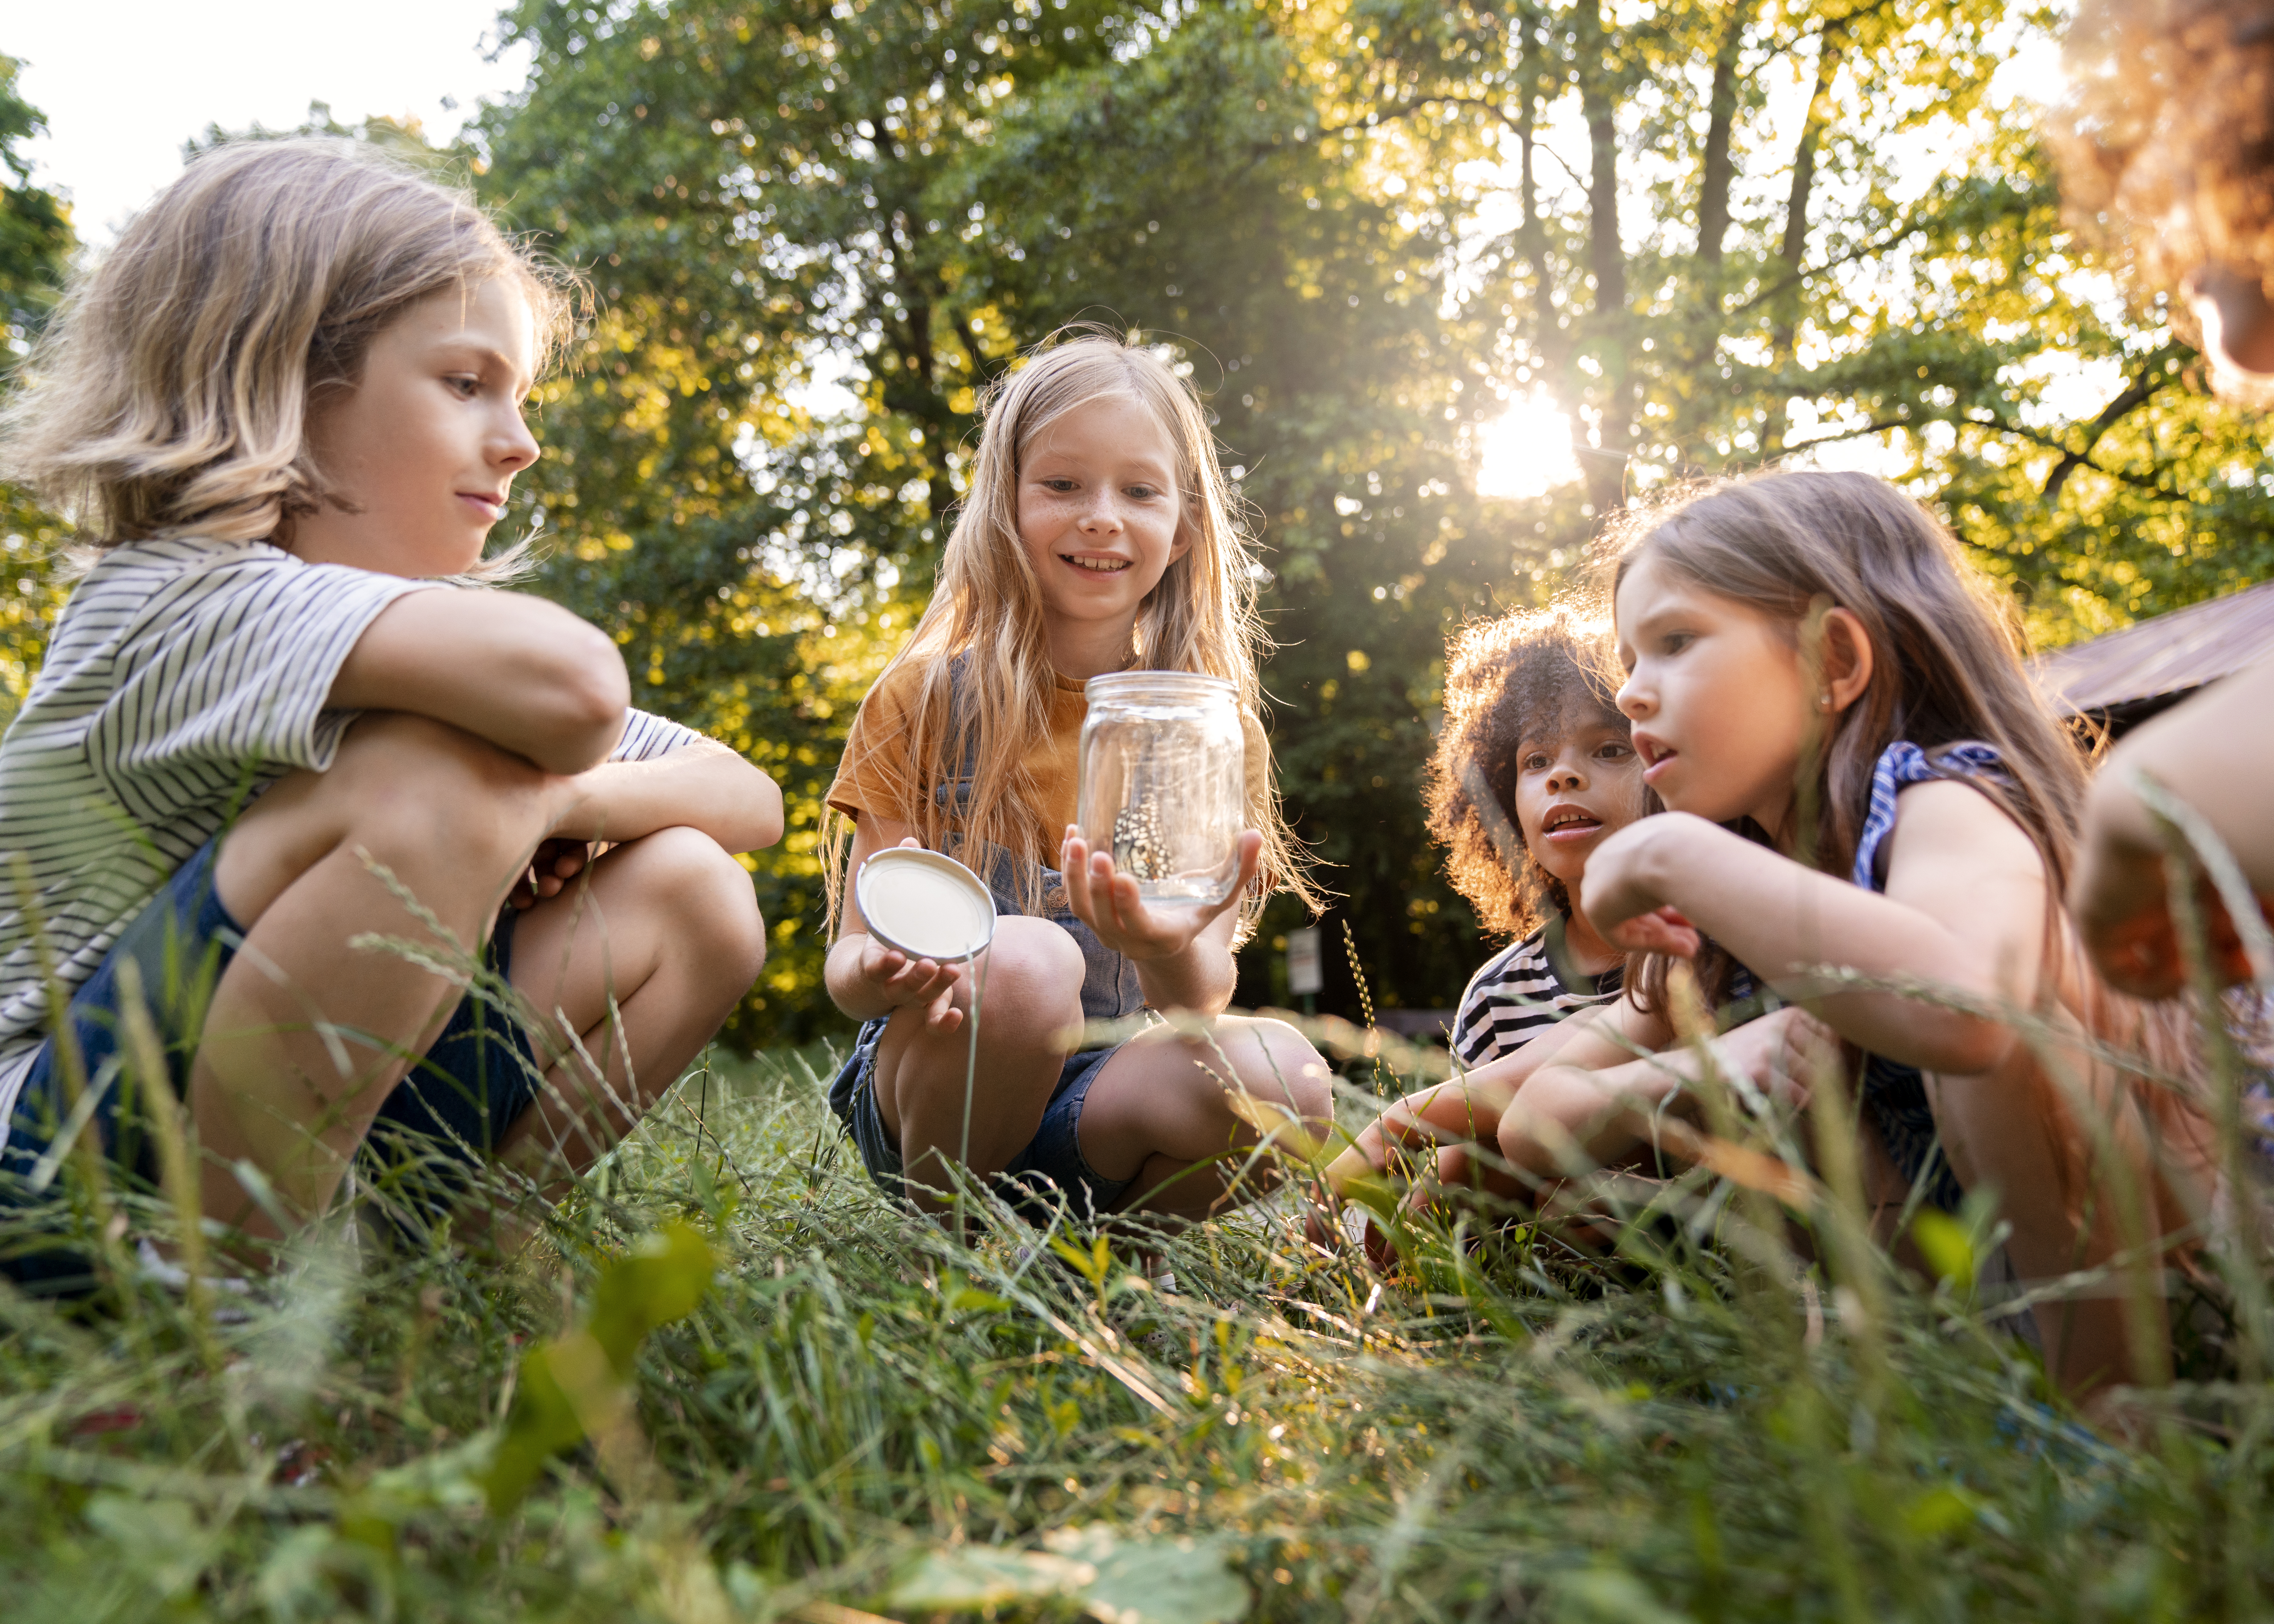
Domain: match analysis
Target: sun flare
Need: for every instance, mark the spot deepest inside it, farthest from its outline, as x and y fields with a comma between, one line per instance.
x=1526, y=452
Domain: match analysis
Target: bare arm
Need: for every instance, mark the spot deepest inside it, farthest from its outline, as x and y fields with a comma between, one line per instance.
x=1964, y=909
x=524, y=674
x=1468, y=1107
x=1201, y=978
x=702, y=785
x=1183, y=955
x=2210, y=753
x=1605, y=1112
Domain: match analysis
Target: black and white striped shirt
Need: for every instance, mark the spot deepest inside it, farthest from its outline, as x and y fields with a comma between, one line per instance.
x=1521, y=991
x=184, y=675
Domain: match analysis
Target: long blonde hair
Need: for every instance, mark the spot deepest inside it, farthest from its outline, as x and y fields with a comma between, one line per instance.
x=986, y=614
x=170, y=393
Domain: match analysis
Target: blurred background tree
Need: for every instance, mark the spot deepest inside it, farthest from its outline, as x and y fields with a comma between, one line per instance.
x=36, y=246
x=1456, y=282
x=1582, y=249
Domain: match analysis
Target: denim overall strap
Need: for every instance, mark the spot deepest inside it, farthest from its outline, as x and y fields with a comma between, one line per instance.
x=1894, y=1096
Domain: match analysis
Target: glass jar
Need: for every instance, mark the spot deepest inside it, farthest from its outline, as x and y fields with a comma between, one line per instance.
x=1165, y=782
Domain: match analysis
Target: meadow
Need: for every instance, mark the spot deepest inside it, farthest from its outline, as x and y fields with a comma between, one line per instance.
x=729, y=1380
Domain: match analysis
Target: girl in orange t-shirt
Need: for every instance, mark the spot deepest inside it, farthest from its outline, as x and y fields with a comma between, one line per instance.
x=1096, y=537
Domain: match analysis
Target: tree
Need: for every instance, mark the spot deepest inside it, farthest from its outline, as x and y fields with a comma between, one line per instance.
x=35, y=247
x=1705, y=232
x=912, y=197
x=1722, y=255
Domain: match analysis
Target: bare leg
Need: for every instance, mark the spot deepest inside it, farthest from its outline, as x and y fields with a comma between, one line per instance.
x=2012, y=1132
x=1161, y=1112
x=641, y=960
x=1029, y=1021
x=307, y=1034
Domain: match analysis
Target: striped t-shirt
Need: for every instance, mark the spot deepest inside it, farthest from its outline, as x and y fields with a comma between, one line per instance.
x=1522, y=990
x=184, y=675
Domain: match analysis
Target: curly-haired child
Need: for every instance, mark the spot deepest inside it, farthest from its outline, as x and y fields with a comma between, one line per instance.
x=1534, y=770
x=285, y=411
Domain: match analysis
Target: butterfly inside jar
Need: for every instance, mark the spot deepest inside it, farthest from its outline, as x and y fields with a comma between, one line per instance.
x=1141, y=846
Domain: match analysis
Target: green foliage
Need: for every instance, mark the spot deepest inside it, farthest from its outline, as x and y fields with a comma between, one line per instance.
x=572, y=1387
x=35, y=232
x=815, y=230
x=1711, y=234
x=35, y=243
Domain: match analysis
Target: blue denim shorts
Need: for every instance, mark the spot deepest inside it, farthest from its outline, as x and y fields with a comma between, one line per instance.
x=1050, y=1164
x=447, y=1114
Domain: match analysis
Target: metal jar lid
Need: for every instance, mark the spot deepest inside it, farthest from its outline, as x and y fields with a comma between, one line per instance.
x=925, y=905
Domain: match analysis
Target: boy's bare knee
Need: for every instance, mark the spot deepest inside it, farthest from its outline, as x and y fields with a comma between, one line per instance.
x=713, y=908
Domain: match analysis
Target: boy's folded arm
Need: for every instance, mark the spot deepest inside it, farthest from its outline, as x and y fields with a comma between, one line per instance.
x=524, y=674
x=702, y=785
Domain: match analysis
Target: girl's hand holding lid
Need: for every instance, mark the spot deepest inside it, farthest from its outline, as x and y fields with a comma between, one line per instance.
x=897, y=980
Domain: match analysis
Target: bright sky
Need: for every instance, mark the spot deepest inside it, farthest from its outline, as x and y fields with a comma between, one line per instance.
x=126, y=84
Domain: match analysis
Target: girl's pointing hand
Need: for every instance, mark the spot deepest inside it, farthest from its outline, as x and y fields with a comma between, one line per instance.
x=1108, y=901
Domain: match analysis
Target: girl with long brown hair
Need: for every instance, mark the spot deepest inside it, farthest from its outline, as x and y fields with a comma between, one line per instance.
x=1871, y=812
x=1098, y=536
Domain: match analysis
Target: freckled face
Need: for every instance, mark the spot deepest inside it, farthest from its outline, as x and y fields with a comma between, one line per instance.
x=1099, y=514
x=1574, y=788
x=422, y=449
x=1717, y=695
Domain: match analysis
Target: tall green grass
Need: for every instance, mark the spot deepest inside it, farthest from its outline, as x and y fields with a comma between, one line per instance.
x=863, y=1414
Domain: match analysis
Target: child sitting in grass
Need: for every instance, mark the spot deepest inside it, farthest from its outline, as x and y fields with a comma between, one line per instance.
x=1096, y=537
x=1532, y=770
x=285, y=413
x=1870, y=812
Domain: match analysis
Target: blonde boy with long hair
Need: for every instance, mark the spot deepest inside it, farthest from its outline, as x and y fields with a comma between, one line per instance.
x=286, y=403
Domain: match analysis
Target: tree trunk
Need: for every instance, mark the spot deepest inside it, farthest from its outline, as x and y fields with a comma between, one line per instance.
x=1795, y=247
x=1721, y=122
x=1605, y=465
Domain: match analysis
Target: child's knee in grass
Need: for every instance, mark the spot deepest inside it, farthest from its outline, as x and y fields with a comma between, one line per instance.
x=1032, y=973
x=710, y=900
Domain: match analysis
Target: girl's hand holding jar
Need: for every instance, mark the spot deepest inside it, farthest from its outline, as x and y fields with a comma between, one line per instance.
x=1110, y=902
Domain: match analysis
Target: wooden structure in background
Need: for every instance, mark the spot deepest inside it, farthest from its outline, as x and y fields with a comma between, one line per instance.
x=2126, y=677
